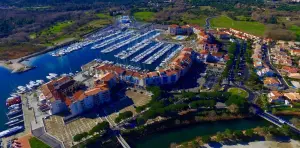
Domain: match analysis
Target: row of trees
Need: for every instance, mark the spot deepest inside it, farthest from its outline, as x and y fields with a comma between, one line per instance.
x=124, y=115
x=98, y=129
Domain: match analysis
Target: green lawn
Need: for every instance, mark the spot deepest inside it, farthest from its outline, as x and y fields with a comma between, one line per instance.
x=57, y=28
x=296, y=30
x=144, y=16
x=199, y=21
x=103, y=16
x=254, y=28
x=239, y=92
x=36, y=143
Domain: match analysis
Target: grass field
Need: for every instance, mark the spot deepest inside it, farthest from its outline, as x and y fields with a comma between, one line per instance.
x=57, y=28
x=254, y=28
x=238, y=92
x=200, y=21
x=36, y=143
x=144, y=16
x=296, y=30
x=103, y=16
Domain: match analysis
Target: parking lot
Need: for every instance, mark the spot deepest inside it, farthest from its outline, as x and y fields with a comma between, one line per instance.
x=55, y=126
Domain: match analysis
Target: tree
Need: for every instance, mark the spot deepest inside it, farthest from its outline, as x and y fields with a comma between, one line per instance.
x=233, y=108
x=238, y=134
x=206, y=139
x=228, y=133
x=274, y=110
x=249, y=133
x=79, y=137
x=122, y=116
x=99, y=127
x=219, y=137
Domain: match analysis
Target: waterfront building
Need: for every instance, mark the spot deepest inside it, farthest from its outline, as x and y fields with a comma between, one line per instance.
x=275, y=97
x=65, y=94
x=180, y=30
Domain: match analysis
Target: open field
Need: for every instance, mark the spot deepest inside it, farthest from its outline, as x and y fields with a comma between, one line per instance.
x=36, y=143
x=144, y=16
x=238, y=92
x=57, y=28
x=103, y=16
x=255, y=28
x=296, y=30
x=199, y=21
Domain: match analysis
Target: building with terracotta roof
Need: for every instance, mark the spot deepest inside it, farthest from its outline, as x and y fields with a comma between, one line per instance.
x=294, y=97
x=271, y=82
x=65, y=94
x=294, y=75
x=180, y=30
x=295, y=52
x=275, y=97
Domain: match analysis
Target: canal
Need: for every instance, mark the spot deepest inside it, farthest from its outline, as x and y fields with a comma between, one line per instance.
x=164, y=139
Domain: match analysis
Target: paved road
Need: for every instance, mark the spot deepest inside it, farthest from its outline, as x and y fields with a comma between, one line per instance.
x=266, y=58
x=46, y=138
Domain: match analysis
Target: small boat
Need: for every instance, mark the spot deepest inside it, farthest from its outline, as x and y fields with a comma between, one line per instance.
x=11, y=131
x=49, y=77
x=14, y=106
x=11, y=121
x=40, y=82
x=53, y=74
x=13, y=100
x=13, y=112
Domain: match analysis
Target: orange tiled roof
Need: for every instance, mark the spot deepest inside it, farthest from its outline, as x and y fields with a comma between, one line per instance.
x=107, y=77
x=271, y=80
x=79, y=95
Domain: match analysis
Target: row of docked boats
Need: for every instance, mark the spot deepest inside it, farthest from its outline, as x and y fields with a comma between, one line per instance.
x=15, y=116
x=130, y=51
x=157, y=55
x=11, y=131
x=166, y=60
x=128, y=67
x=147, y=52
x=146, y=36
x=71, y=48
x=28, y=87
x=118, y=38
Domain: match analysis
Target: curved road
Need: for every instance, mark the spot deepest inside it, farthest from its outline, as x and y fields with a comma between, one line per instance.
x=207, y=23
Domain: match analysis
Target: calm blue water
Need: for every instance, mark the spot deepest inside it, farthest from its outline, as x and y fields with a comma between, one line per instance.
x=47, y=64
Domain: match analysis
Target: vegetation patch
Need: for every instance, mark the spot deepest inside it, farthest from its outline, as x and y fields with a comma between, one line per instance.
x=36, y=143
x=296, y=30
x=238, y=92
x=57, y=28
x=103, y=16
x=146, y=16
x=254, y=28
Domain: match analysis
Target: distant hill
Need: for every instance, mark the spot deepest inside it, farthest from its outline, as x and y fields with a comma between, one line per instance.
x=58, y=2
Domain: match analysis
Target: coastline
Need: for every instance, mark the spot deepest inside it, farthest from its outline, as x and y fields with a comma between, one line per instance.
x=16, y=65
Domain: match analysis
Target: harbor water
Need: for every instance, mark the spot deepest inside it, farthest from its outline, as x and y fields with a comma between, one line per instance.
x=70, y=62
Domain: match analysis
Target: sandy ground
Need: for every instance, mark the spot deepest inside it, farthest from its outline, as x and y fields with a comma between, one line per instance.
x=13, y=66
x=265, y=144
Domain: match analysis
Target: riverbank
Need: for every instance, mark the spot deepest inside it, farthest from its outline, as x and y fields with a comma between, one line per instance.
x=264, y=144
x=288, y=113
x=184, y=133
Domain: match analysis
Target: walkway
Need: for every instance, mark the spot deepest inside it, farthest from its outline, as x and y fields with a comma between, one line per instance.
x=41, y=134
